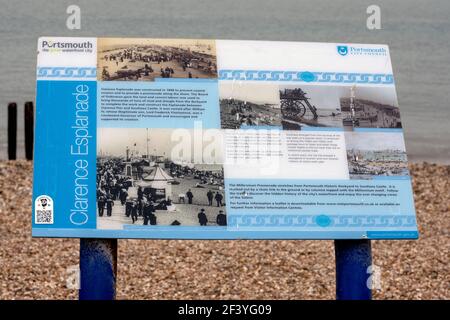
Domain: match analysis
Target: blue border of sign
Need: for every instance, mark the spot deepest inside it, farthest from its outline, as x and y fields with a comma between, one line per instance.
x=219, y=233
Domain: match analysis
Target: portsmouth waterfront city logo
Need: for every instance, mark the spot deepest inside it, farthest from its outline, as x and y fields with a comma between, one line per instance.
x=49, y=45
x=342, y=50
x=43, y=210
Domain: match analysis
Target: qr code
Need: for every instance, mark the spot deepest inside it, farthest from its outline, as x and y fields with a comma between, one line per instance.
x=43, y=210
x=44, y=216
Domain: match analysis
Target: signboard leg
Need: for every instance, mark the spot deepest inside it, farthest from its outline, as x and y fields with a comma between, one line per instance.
x=98, y=269
x=29, y=129
x=12, y=131
x=353, y=257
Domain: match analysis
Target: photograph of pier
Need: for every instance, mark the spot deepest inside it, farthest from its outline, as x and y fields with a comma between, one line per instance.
x=310, y=106
x=249, y=104
x=146, y=59
x=370, y=107
x=150, y=177
x=372, y=154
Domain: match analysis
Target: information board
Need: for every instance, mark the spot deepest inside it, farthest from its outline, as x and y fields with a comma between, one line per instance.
x=218, y=139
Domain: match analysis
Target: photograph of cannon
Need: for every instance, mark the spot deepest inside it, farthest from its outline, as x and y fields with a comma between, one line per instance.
x=294, y=104
x=309, y=106
x=121, y=59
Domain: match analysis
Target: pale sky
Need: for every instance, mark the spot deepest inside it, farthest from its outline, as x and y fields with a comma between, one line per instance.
x=259, y=93
x=327, y=97
x=321, y=96
x=374, y=140
x=162, y=142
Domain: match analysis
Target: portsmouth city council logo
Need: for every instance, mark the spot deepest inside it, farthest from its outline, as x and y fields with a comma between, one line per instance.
x=342, y=50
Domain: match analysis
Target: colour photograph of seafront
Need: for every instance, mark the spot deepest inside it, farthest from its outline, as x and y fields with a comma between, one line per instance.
x=375, y=154
x=146, y=59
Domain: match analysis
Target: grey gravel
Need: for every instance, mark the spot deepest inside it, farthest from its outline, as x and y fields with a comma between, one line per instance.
x=150, y=269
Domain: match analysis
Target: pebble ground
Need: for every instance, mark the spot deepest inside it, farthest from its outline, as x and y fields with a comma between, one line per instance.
x=148, y=269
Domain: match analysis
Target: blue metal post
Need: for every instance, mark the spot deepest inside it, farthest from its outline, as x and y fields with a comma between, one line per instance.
x=353, y=257
x=98, y=269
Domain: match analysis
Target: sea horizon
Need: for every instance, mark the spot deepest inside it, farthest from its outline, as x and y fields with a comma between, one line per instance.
x=417, y=35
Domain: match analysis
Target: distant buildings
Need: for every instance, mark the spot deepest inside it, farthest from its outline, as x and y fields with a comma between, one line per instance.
x=388, y=162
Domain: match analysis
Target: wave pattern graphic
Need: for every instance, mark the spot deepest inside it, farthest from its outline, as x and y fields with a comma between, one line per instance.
x=67, y=72
x=306, y=76
x=311, y=221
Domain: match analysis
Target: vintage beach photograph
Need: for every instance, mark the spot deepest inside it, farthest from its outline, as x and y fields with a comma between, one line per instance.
x=339, y=106
x=370, y=107
x=371, y=154
x=310, y=106
x=133, y=59
x=151, y=177
x=249, y=104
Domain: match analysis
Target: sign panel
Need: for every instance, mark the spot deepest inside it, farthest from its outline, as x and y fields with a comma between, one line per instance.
x=218, y=139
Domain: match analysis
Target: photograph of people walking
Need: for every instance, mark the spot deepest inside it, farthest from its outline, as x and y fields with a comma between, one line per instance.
x=141, y=182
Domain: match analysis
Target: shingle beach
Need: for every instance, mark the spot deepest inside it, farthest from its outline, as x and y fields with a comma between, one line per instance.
x=150, y=269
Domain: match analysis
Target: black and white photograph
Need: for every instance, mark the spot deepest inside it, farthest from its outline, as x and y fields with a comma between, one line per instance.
x=249, y=104
x=123, y=59
x=372, y=154
x=310, y=106
x=149, y=177
x=370, y=107
x=339, y=106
